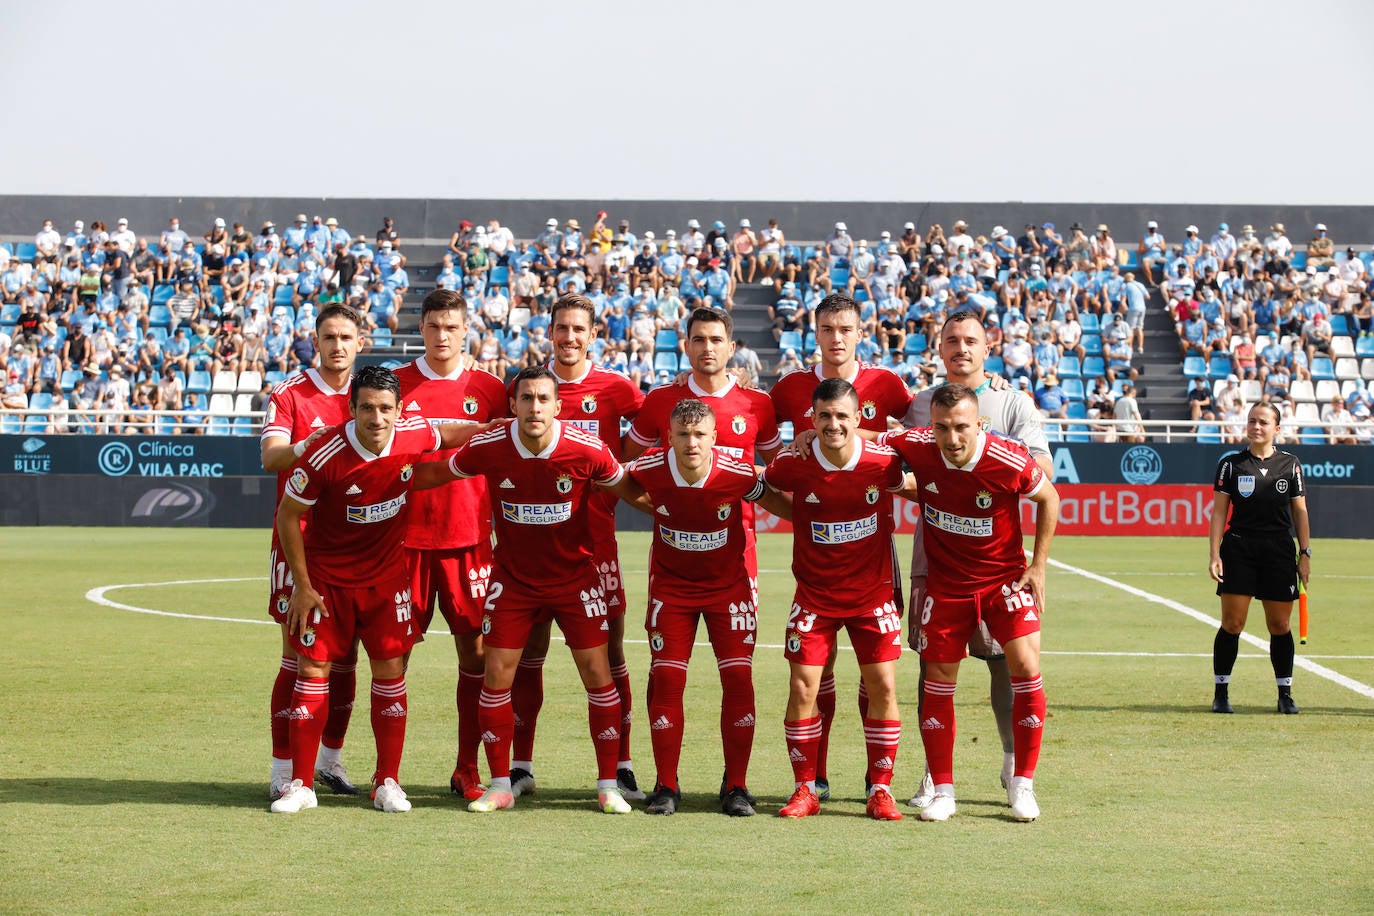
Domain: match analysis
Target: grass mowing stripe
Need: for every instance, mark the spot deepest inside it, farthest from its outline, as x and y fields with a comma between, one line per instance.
x=1301, y=661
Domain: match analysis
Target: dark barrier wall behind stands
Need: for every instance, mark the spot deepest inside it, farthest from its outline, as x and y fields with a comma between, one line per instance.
x=217, y=481
x=23, y=215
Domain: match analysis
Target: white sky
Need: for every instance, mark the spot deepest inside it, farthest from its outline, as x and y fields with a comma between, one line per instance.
x=1263, y=102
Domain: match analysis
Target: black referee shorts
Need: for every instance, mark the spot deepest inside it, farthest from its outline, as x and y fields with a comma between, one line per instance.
x=1262, y=566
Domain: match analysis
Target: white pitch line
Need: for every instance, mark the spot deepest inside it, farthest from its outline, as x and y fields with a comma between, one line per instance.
x=1300, y=661
x=97, y=596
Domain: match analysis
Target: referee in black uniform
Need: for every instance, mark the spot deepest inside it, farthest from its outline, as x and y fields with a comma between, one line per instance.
x=1252, y=552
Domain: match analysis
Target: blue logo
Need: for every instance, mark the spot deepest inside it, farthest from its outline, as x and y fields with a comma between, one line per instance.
x=1141, y=465
x=32, y=445
x=115, y=459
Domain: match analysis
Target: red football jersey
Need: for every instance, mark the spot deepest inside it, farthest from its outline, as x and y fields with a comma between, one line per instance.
x=358, y=501
x=744, y=418
x=457, y=514
x=882, y=394
x=697, y=553
x=971, y=515
x=596, y=403
x=299, y=406
x=543, y=538
x=842, y=553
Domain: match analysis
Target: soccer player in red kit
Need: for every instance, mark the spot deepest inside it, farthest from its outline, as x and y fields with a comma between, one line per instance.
x=448, y=540
x=539, y=472
x=882, y=394
x=301, y=407
x=842, y=533
x=970, y=484
x=595, y=400
x=351, y=580
x=697, y=491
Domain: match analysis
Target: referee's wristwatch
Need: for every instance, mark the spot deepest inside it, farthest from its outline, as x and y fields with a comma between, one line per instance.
x=1305, y=552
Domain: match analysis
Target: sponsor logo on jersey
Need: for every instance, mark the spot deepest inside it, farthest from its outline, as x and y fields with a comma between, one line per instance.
x=871, y=495
x=932, y=488
x=588, y=426
x=738, y=425
x=723, y=511
x=1030, y=616
x=470, y=405
x=407, y=471
x=662, y=510
x=353, y=490
x=317, y=423
x=299, y=480
x=1281, y=485
x=414, y=405
x=506, y=484
x=1245, y=484
x=844, y=532
x=958, y=524
x=868, y=409
x=811, y=498
x=983, y=500
x=695, y=541
x=563, y=484
x=536, y=513
x=377, y=512
x=589, y=403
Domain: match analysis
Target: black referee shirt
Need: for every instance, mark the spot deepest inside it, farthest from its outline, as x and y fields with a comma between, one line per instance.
x=1261, y=491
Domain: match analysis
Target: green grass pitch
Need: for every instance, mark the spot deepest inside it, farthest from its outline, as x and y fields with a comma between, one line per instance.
x=133, y=761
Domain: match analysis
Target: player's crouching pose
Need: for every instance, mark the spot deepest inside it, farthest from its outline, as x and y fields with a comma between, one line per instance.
x=845, y=567
x=538, y=473
x=970, y=485
x=697, y=571
x=350, y=575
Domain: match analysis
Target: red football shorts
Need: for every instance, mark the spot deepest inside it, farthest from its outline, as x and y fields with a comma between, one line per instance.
x=948, y=622
x=612, y=583
x=455, y=581
x=876, y=635
x=730, y=625
x=510, y=612
x=280, y=583
x=378, y=615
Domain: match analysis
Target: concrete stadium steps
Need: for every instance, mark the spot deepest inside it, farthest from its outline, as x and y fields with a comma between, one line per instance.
x=1162, y=388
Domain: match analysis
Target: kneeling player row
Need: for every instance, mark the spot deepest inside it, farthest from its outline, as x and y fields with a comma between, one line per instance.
x=539, y=473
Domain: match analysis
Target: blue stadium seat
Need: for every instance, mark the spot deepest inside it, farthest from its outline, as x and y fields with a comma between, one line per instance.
x=1077, y=410
x=11, y=424
x=25, y=251
x=243, y=426
x=41, y=400
x=1209, y=433
x=1219, y=366
x=1323, y=369
x=1073, y=387
x=69, y=378
x=1079, y=432
x=381, y=337
x=499, y=276
x=994, y=365
x=275, y=376
x=161, y=293
x=282, y=296
x=790, y=340
x=1298, y=260
x=1119, y=387
x=1093, y=366
x=666, y=339
x=217, y=293
x=1069, y=367
x=1364, y=347
x=158, y=334
x=36, y=424
x=684, y=364
x=810, y=344
x=199, y=382
x=1194, y=367
x=665, y=361
x=839, y=276
x=860, y=294
x=1339, y=325
x=219, y=426
x=159, y=316
x=1128, y=258
x=915, y=343
x=9, y=313
x=1091, y=323
x=1311, y=435
x=1092, y=343
x=1054, y=432
x=166, y=425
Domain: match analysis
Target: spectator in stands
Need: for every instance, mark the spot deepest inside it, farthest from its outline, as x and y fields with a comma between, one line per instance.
x=1321, y=250
x=539, y=350
x=1278, y=251
x=1218, y=338
x=786, y=312
x=1199, y=400
x=744, y=247
x=861, y=267
x=1018, y=356
x=1051, y=398
x=1129, y=426
x=1316, y=337
x=1150, y=251
x=747, y=361
x=771, y=244
x=720, y=286
x=1341, y=428
x=644, y=268
x=1224, y=247
x=253, y=353
x=1297, y=360
x=788, y=362
x=1334, y=291
x=1103, y=249
x=1363, y=316
x=1046, y=353
x=1117, y=354
x=1244, y=358
x=1278, y=382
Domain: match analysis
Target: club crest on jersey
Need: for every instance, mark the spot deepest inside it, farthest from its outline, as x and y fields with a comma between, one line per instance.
x=983, y=500
x=589, y=403
x=723, y=511
x=407, y=472
x=300, y=480
x=282, y=604
x=563, y=484
x=656, y=641
x=738, y=425
x=470, y=405
x=869, y=410
x=1245, y=484
x=871, y=495
x=985, y=423
x=308, y=638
